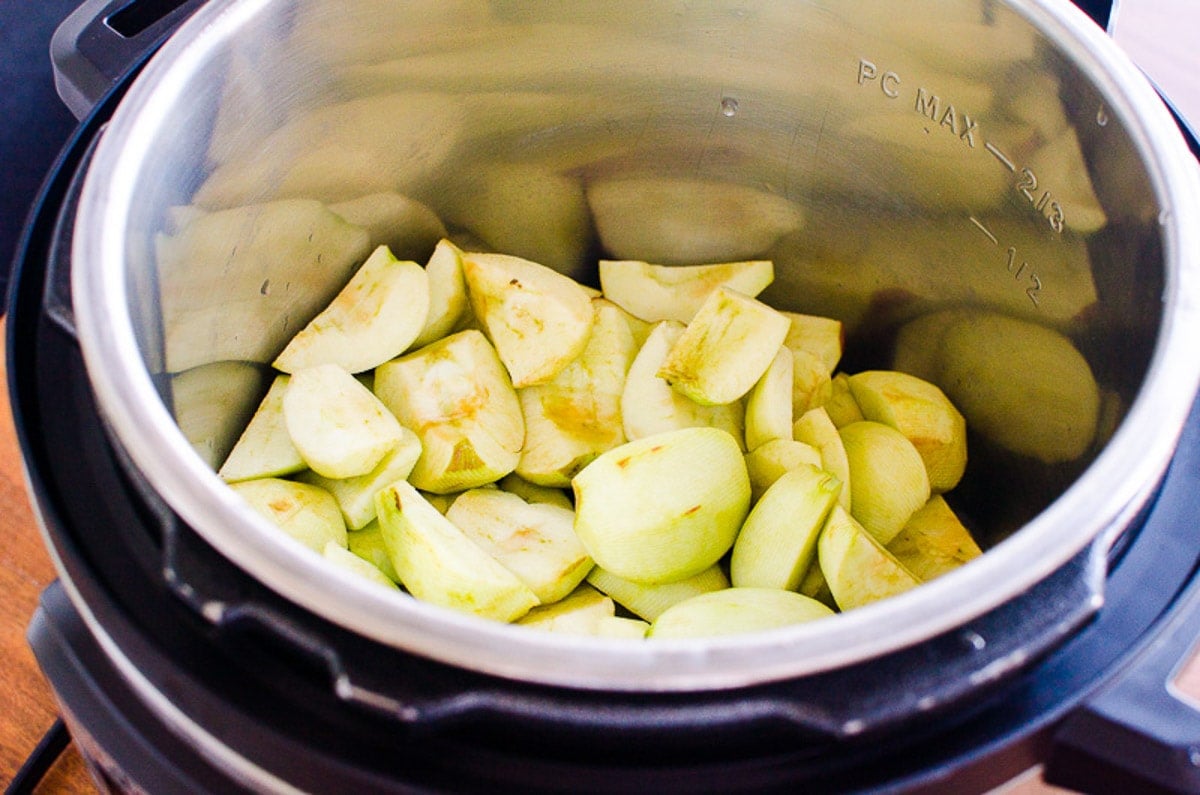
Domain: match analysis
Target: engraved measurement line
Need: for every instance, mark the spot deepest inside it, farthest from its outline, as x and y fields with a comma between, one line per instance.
x=979, y=225
x=996, y=153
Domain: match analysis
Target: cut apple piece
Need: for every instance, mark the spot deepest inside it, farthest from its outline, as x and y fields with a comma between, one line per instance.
x=532, y=492
x=726, y=348
x=306, y=513
x=664, y=507
x=778, y=540
x=934, y=541
x=682, y=221
x=537, y=542
x=649, y=601
x=368, y=544
x=456, y=396
x=649, y=405
x=576, y=416
x=406, y=226
x=356, y=495
x=769, y=404
x=889, y=482
x=375, y=317
x=622, y=628
x=767, y=462
x=811, y=384
x=823, y=337
x=339, y=427
x=857, y=568
x=734, y=611
x=437, y=563
x=345, y=559
x=675, y=292
x=925, y=416
x=841, y=406
x=448, y=301
x=580, y=613
x=538, y=319
x=265, y=449
x=816, y=429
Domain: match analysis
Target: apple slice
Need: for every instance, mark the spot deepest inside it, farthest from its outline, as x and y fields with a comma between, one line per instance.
x=767, y=462
x=532, y=492
x=815, y=428
x=824, y=337
x=811, y=383
x=368, y=544
x=345, y=559
x=888, y=476
x=306, y=513
x=778, y=540
x=437, y=563
x=769, y=404
x=535, y=541
x=726, y=348
x=339, y=427
x=649, y=405
x=456, y=396
x=375, y=317
x=664, y=507
x=841, y=406
x=356, y=496
x=857, y=568
x=649, y=601
x=576, y=415
x=925, y=416
x=580, y=613
x=934, y=541
x=538, y=319
x=264, y=450
x=735, y=611
x=675, y=292
x=448, y=302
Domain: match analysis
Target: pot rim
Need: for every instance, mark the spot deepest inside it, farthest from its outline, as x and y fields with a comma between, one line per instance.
x=1095, y=507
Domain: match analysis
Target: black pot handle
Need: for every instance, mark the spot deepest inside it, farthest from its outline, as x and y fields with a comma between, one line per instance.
x=102, y=40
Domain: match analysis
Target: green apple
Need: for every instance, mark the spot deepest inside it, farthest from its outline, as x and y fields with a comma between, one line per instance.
x=857, y=568
x=769, y=404
x=815, y=428
x=356, y=495
x=306, y=513
x=767, y=462
x=888, y=477
x=579, y=613
x=675, y=292
x=735, y=611
x=448, y=302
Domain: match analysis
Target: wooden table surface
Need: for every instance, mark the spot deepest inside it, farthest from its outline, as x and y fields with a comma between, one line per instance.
x=28, y=705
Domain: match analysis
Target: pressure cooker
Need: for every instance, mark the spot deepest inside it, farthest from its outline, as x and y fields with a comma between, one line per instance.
x=1001, y=157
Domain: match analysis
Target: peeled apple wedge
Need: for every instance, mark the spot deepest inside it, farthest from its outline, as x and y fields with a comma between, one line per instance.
x=456, y=396
x=437, y=563
x=889, y=482
x=345, y=559
x=766, y=463
x=576, y=416
x=368, y=544
x=649, y=405
x=579, y=613
x=841, y=405
x=306, y=513
x=857, y=568
x=649, y=601
x=665, y=507
x=375, y=317
x=823, y=337
x=815, y=428
x=448, y=300
x=537, y=542
x=934, y=541
x=532, y=492
x=264, y=449
x=811, y=384
x=769, y=404
x=682, y=221
x=778, y=540
x=925, y=416
x=339, y=427
x=735, y=611
x=675, y=292
x=356, y=496
x=538, y=319
x=726, y=348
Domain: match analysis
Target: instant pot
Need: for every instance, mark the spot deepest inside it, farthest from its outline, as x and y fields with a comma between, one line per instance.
x=999, y=158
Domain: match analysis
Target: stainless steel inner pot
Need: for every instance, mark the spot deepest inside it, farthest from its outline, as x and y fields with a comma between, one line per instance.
x=1002, y=158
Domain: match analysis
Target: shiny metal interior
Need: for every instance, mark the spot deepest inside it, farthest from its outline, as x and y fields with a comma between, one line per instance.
x=1002, y=157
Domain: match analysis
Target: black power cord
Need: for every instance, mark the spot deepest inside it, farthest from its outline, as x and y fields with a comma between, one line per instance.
x=51, y=746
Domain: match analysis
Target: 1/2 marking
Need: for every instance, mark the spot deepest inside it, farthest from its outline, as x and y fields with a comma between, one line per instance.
x=1019, y=270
